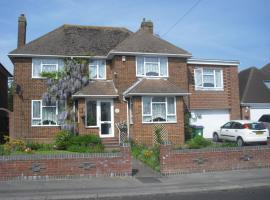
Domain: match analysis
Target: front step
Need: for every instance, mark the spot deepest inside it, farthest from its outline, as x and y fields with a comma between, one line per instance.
x=110, y=143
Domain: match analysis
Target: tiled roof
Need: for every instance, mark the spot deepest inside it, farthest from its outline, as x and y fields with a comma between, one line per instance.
x=98, y=88
x=154, y=86
x=76, y=40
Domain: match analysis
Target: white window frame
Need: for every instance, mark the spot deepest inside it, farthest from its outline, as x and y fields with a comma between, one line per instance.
x=267, y=84
x=144, y=74
x=97, y=114
x=98, y=64
x=41, y=68
x=166, y=108
x=41, y=114
x=215, y=88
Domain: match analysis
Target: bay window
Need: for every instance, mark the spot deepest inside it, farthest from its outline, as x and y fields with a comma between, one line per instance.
x=151, y=66
x=97, y=69
x=45, y=114
x=46, y=65
x=208, y=79
x=158, y=109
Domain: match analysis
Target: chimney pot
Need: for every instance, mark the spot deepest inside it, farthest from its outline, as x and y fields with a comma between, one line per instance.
x=147, y=25
x=21, y=31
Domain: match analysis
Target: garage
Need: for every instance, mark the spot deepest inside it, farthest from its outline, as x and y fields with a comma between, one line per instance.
x=211, y=120
x=256, y=113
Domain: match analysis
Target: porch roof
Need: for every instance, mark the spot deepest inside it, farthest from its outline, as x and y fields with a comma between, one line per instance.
x=154, y=87
x=98, y=88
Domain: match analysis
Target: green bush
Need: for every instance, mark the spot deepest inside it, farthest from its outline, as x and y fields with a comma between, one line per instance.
x=62, y=139
x=39, y=146
x=3, y=151
x=85, y=140
x=86, y=149
x=198, y=142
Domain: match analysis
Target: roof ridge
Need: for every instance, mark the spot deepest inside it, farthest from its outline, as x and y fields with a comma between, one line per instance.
x=92, y=27
x=252, y=69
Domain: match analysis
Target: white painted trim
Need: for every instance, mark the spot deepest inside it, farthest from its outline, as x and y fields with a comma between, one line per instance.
x=152, y=54
x=59, y=56
x=158, y=94
x=256, y=105
x=213, y=62
x=99, y=96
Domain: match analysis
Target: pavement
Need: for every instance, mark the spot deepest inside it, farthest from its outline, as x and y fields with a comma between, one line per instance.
x=145, y=182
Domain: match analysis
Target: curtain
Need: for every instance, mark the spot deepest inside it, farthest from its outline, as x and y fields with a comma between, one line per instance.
x=101, y=69
x=36, y=109
x=163, y=67
x=146, y=105
x=198, y=77
x=36, y=67
x=159, y=112
x=93, y=71
x=218, y=78
x=49, y=115
x=170, y=105
x=208, y=81
x=140, y=66
x=151, y=69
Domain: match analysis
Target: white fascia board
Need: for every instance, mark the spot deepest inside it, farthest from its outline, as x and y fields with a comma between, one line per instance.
x=256, y=105
x=158, y=94
x=99, y=96
x=112, y=53
x=58, y=56
x=213, y=62
x=131, y=87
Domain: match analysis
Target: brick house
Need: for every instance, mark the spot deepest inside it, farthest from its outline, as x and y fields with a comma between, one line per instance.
x=135, y=77
x=254, y=87
x=4, y=74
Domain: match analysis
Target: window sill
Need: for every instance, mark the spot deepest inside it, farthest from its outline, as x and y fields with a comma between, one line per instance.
x=159, y=122
x=138, y=76
x=209, y=89
x=45, y=125
x=88, y=127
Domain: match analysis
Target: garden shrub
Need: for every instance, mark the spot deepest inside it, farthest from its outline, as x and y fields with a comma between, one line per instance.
x=3, y=151
x=86, y=149
x=14, y=145
x=198, y=142
x=85, y=140
x=62, y=139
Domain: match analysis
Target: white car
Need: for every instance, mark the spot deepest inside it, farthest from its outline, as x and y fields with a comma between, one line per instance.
x=242, y=131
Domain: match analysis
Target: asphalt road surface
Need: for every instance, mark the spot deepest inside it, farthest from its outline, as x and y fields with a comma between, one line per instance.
x=261, y=193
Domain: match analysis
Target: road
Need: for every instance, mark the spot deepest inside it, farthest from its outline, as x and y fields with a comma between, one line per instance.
x=261, y=193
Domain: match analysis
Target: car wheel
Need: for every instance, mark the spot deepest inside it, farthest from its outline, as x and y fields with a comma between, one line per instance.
x=215, y=137
x=240, y=142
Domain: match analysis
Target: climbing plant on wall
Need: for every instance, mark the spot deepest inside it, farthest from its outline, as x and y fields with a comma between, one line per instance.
x=62, y=85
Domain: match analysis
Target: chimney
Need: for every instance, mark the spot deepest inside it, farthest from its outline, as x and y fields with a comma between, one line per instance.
x=147, y=26
x=21, y=31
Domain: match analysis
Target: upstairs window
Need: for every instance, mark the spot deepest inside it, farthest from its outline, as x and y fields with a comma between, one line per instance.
x=151, y=66
x=208, y=79
x=97, y=69
x=267, y=84
x=45, y=65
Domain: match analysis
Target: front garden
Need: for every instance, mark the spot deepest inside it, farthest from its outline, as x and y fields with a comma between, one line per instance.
x=64, y=142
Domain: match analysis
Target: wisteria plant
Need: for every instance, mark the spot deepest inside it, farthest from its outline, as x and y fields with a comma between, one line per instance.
x=62, y=85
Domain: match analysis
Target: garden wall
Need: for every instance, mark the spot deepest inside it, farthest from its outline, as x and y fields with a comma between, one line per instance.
x=66, y=165
x=215, y=159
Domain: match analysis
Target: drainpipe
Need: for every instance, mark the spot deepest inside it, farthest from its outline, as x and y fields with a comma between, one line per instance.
x=124, y=99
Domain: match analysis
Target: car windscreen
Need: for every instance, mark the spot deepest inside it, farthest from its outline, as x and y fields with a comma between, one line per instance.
x=256, y=126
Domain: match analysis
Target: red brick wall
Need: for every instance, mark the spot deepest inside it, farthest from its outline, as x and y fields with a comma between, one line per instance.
x=226, y=99
x=188, y=161
x=66, y=165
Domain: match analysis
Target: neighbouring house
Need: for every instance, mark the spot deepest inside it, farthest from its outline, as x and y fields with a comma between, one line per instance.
x=4, y=122
x=254, y=86
x=135, y=77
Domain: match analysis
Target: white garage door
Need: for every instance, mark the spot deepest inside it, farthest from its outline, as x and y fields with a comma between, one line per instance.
x=256, y=113
x=211, y=120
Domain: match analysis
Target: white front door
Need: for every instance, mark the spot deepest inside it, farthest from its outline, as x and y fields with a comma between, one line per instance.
x=106, y=118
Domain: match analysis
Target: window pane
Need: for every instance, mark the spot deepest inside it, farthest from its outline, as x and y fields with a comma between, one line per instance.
x=49, y=115
x=61, y=64
x=50, y=61
x=105, y=111
x=159, y=112
x=146, y=105
x=171, y=118
x=208, y=81
x=159, y=99
x=163, y=67
x=36, y=122
x=36, y=109
x=208, y=71
x=93, y=71
x=140, y=64
x=101, y=72
x=218, y=78
x=171, y=105
x=198, y=77
x=49, y=68
x=151, y=69
x=147, y=118
x=151, y=59
x=91, y=113
x=36, y=67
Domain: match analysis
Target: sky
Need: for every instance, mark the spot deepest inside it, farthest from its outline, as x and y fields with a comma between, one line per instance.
x=214, y=29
